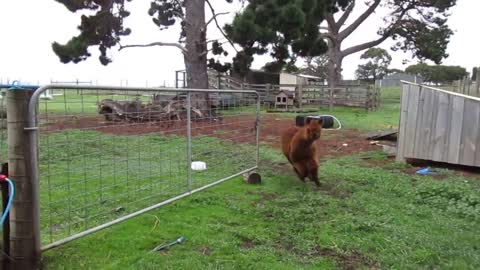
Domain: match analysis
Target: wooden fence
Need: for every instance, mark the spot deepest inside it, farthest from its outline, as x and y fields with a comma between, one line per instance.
x=464, y=86
x=438, y=125
x=348, y=95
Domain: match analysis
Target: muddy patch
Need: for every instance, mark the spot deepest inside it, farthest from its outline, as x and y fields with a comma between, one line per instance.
x=348, y=260
x=334, y=190
x=205, y=251
x=247, y=244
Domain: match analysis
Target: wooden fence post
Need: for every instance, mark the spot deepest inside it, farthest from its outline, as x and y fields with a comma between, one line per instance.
x=330, y=103
x=300, y=97
x=478, y=83
x=24, y=216
x=369, y=99
x=467, y=85
x=219, y=81
x=378, y=93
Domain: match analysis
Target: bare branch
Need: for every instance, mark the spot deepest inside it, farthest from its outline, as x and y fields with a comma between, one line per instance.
x=345, y=14
x=386, y=34
x=364, y=46
x=171, y=44
x=218, y=25
x=332, y=26
x=345, y=33
x=324, y=28
x=215, y=16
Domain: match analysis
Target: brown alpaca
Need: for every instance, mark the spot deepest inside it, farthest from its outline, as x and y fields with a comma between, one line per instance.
x=298, y=145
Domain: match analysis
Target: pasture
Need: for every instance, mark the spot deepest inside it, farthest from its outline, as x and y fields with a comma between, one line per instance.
x=370, y=212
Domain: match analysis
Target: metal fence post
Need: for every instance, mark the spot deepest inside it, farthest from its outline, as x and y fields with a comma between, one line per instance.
x=24, y=217
x=257, y=129
x=189, y=141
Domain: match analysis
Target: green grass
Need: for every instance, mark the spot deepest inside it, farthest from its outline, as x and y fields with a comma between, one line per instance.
x=362, y=217
x=88, y=177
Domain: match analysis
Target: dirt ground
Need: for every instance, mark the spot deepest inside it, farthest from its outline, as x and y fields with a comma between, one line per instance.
x=331, y=141
x=241, y=130
x=331, y=144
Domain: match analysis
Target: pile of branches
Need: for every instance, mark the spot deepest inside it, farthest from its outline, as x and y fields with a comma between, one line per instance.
x=159, y=110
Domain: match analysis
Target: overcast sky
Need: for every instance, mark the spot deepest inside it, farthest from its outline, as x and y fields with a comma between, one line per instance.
x=28, y=28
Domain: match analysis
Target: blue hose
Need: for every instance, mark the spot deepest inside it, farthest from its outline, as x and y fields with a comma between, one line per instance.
x=11, y=187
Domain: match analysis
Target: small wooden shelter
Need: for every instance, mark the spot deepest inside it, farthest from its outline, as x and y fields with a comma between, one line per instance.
x=284, y=99
x=438, y=125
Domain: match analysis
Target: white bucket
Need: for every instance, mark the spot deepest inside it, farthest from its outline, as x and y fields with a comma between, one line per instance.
x=199, y=166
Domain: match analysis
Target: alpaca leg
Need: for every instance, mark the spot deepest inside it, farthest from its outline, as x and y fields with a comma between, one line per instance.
x=312, y=168
x=301, y=170
x=298, y=174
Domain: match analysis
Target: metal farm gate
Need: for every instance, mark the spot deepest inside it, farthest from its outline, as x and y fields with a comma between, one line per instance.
x=95, y=156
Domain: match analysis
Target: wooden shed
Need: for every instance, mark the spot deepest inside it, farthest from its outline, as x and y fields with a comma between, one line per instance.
x=284, y=99
x=438, y=125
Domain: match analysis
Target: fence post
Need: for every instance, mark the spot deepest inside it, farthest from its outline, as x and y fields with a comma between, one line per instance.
x=25, y=247
x=467, y=85
x=189, y=141
x=219, y=81
x=477, y=86
x=330, y=103
x=300, y=97
x=369, y=98
x=257, y=130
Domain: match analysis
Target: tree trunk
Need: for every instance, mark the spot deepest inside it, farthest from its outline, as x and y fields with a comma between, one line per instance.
x=196, y=56
x=334, y=62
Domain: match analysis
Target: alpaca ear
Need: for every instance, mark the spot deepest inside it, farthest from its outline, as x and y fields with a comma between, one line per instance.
x=320, y=121
x=308, y=120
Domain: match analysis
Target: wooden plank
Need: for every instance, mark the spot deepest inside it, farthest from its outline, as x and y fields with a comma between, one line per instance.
x=422, y=138
x=443, y=121
x=402, y=122
x=455, y=131
x=419, y=120
x=433, y=124
x=477, y=153
x=470, y=130
x=411, y=121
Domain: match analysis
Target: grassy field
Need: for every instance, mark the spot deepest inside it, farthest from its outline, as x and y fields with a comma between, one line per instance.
x=363, y=217
x=89, y=177
x=370, y=213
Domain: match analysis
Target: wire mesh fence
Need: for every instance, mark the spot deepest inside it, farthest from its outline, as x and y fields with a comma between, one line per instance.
x=3, y=126
x=106, y=153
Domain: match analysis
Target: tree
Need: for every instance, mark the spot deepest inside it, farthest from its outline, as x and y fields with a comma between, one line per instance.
x=286, y=29
x=317, y=66
x=474, y=73
x=421, y=69
x=394, y=70
x=418, y=26
x=438, y=73
x=105, y=28
x=377, y=67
